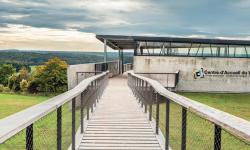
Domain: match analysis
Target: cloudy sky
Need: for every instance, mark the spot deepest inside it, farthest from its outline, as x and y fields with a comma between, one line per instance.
x=72, y=24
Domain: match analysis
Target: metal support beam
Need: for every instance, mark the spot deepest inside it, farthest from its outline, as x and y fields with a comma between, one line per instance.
x=218, y=51
x=190, y=49
x=246, y=51
x=122, y=60
x=119, y=62
x=105, y=50
x=164, y=49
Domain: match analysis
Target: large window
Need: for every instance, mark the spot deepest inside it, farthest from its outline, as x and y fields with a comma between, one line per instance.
x=191, y=49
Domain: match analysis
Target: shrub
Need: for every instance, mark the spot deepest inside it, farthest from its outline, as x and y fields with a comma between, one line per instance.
x=24, y=84
x=1, y=88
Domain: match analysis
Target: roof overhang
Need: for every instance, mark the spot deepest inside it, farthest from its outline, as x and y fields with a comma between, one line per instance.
x=117, y=42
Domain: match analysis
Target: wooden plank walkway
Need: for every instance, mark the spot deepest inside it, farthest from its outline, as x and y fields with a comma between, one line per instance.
x=118, y=122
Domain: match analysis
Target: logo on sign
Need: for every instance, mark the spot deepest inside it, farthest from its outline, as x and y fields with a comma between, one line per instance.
x=199, y=73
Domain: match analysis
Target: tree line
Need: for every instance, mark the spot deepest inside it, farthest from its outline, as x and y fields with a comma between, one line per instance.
x=51, y=77
x=31, y=58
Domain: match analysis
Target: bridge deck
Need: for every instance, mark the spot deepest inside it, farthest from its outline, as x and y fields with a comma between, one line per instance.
x=118, y=122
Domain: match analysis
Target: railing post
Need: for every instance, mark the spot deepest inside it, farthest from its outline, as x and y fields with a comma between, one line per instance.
x=146, y=107
x=59, y=128
x=157, y=114
x=150, y=106
x=95, y=97
x=138, y=89
x=145, y=93
x=150, y=112
x=217, y=137
x=87, y=112
x=29, y=137
x=92, y=103
x=184, y=128
x=99, y=91
x=73, y=122
x=92, y=107
x=167, y=124
x=96, y=93
x=82, y=114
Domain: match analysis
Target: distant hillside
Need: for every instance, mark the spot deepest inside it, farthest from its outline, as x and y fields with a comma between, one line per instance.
x=39, y=57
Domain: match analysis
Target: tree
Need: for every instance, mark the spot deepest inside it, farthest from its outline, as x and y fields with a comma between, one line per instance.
x=13, y=82
x=6, y=70
x=24, y=84
x=51, y=77
x=1, y=88
x=24, y=73
x=16, y=79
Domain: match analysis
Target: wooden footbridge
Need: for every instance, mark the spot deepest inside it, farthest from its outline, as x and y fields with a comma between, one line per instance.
x=122, y=118
x=119, y=122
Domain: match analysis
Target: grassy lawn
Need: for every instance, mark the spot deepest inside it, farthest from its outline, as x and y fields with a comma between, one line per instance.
x=200, y=132
x=12, y=103
x=44, y=129
x=236, y=104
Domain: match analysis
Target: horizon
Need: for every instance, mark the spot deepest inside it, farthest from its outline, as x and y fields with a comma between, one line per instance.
x=66, y=51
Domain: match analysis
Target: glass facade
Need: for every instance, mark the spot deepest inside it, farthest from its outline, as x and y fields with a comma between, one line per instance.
x=191, y=50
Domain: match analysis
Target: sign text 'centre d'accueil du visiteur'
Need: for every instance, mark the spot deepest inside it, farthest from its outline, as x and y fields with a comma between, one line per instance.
x=202, y=73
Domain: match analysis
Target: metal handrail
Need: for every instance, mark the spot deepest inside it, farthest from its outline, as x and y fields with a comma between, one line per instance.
x=15, y=123
x=235, y=125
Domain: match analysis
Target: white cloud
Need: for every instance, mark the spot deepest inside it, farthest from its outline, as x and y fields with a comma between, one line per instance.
x=32, y=3
x=196, y=36
x=109, y=6
x=234, y=38
x=26, y=37
x=14, y=16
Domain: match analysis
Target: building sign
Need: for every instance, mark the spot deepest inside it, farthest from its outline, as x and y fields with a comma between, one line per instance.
x=202, y=73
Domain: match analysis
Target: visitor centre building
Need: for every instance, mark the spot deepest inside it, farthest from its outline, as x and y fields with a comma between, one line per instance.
x=187, y=64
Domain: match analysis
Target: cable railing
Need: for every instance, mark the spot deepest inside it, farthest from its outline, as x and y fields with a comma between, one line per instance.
x=188, y=124
x=53, y=124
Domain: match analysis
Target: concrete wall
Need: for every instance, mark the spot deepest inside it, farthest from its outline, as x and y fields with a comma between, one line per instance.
x=218, y=75
x=72, y=76
x=90, y=67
